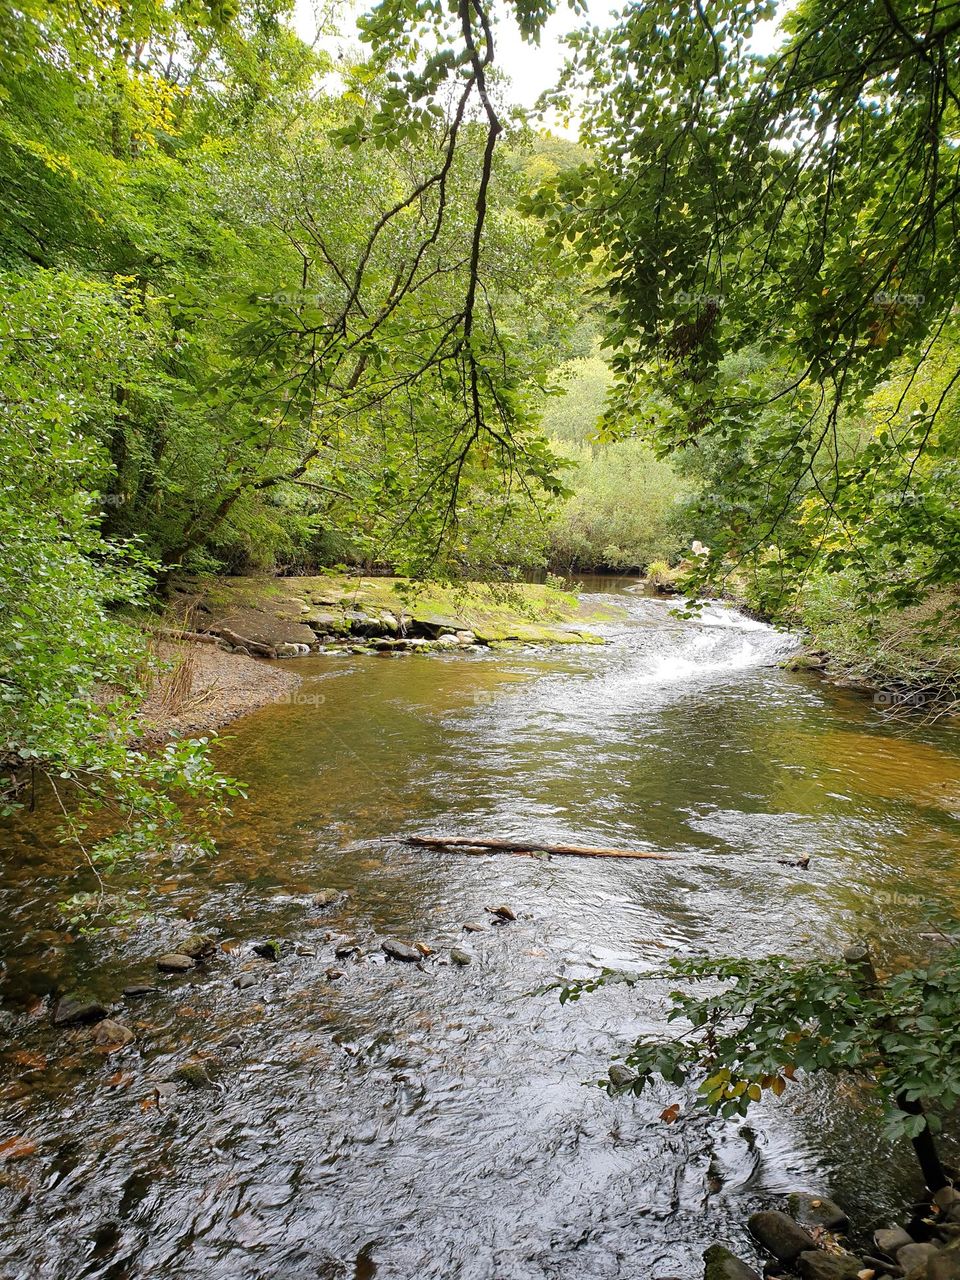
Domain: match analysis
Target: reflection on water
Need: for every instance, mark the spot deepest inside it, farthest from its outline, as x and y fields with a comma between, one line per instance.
x=432, y=1121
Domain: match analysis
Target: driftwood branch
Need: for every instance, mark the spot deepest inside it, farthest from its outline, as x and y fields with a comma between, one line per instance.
x=522, y=847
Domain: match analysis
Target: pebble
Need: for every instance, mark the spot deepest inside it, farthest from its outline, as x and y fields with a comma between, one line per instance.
x=346, y=947
x=175, y=963
x=461, y=957
x=232, y=1041
x=424, y=949
x=474, y=926
x=244, y=980
x=333, y=974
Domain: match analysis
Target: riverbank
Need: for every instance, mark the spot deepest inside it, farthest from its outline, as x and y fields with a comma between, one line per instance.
x=203, y=687
x=290, y=617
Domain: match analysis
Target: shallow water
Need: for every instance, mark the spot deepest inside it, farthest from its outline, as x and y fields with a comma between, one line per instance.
x=404, y=1121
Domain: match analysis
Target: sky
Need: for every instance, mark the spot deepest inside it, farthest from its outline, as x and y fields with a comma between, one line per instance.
x=531, y=68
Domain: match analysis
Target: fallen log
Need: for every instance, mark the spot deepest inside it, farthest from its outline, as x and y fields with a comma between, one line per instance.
x=523, y=847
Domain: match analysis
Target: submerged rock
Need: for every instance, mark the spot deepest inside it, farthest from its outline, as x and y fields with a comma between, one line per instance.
x=199, y=1073
x=139, y=989
x=720, y=1264
x=474, y=926
x=197, y=945
x=400, y=950
x=73, y=1009
x=112, y=1035
x=175, y=962
x=780, y=1235
x=327, y=897
x=461, y=957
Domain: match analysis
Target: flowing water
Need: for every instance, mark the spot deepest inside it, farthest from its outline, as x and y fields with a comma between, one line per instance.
x=411, y=1123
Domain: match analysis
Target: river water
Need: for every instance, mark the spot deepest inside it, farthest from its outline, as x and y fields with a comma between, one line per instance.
x=411, y=1123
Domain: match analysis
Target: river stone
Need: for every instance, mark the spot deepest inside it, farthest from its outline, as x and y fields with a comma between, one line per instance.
x=175, y=963
x=346, y=947
x=139, y=989
x=780, y=1235
x=461, y=957
x=400, y=950
x=113, y=1034
x=889, y=1239
x=815, y=1264
x=473, y=926
x=914, y=1258
x=503, y=911
x=621, y=1076
x=326, y=897
x=269, y=950
x=945, y=1266
x=71, y=1009
x=197, y=945
x=244, y=980
x=720, y=1264
x=817, y=1211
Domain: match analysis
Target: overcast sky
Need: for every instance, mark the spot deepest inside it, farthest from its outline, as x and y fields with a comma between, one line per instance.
x=531, y=68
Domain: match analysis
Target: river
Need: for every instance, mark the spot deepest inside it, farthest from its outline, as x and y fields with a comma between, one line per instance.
x=412, y=1123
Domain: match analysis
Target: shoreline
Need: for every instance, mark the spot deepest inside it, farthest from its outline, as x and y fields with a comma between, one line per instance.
x=206, y=688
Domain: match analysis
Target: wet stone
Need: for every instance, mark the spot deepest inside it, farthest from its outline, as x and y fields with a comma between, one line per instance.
x=890, y=1239
x=400, y=951
x=244, y=980
x=720, y=1264
x=815, y=1264
x=139, y=989
x=71, y=1010
x=817, y=1211
x=269, y=950
x=327, y=897
x=503, y=912
x=112, y=1034
x=945, y=1266
x=196, y=946
x=232, y=1041
x=780, y=1235
x=621, y=1076
x=474, y=926
x=176, y=963
x=334, y=974
x=460, y=957
x=346, y=947
x=915, y=1256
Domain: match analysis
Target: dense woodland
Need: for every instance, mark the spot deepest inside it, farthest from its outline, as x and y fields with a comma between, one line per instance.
x=266, y=309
